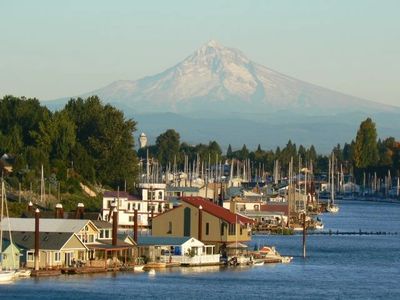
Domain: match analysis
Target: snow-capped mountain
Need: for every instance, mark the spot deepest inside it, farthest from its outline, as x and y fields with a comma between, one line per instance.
x=217, y=93
x=223, y=79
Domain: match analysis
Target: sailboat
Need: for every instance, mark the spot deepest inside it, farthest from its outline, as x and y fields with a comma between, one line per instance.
x=5, y=276
x=332, y=207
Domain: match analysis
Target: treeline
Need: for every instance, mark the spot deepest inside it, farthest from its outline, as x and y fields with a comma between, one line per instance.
x=365, y=154
x=169, y=150
x=86, y=141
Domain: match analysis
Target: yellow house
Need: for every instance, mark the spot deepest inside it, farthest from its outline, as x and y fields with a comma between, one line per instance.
x=200, y=218
x=56, y=249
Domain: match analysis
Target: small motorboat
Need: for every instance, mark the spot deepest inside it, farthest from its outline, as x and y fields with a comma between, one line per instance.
x=258, y=262
x=332, y=208
x=152, y=272
x=271, y=255
x=23, y=273
x=138, y=268
x=7, y=276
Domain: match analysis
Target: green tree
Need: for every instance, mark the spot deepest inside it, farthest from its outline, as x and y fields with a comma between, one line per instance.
x=229, y=153
x=366, y=148
x=107, y=137
x=167, y=145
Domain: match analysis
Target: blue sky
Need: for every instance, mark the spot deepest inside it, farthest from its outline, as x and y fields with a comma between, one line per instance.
x=52, y=49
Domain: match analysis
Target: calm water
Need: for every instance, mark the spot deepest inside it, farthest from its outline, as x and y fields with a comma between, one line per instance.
x=337, y=267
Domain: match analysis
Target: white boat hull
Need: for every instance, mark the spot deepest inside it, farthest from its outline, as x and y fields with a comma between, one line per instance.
x=138, y=268
x=333, y=209
x=23, y=273
x=6, y=276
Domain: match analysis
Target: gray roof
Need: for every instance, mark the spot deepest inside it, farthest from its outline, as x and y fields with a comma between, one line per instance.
x=162, y=240
x=45, y=225
x=48, y=240
x=100, y=224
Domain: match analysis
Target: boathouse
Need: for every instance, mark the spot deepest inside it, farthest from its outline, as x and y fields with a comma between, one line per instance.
x=177, y=250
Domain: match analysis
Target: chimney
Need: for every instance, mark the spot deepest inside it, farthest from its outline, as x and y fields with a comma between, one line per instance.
x=115, y=227
x=59, y=211
x=37, y=239
x=80, y=209
x=135, y=226
x=232, y=206
x=221, y=196
x=30, y=206
x=112, y=207
x=199, y=225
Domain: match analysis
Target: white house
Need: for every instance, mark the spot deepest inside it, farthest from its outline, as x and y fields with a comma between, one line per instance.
x=151, y=203
x=182, y=250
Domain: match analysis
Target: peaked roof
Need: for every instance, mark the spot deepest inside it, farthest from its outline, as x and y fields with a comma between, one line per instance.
x=100, y=224
x=216, y=210
x=45, y=225
x=48, y=240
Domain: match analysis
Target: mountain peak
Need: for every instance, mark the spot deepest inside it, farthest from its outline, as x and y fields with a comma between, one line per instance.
x=224, y=78
x=213, y=44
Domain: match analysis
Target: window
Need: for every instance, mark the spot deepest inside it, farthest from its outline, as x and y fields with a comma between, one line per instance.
x=256, y=207
x=138, y=206
x=222, y=228
x=30, y=256
x=160, y=195
x=207, y=228
x=131, y=218
x=129, y=206
x=107, y=233
x=102, y=234
x=91, y=238
x=169, y=227
x=57, y=256
x=241, y=229
x=232, y=229
x=106, y=217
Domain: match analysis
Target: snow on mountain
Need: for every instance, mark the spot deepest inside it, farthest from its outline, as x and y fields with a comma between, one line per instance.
x=224, y=79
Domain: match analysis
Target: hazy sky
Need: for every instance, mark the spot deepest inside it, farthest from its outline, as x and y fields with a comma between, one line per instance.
x=51, y=49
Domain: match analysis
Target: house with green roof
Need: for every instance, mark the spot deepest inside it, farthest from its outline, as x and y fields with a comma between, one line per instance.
x=10, y=255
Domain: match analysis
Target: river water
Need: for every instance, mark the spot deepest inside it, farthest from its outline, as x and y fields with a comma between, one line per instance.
x=337, y=267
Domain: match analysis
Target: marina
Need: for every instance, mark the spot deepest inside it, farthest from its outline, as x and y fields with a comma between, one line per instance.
x=336, y=267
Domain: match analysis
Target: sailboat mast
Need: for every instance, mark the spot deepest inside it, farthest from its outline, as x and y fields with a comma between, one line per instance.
x=333, y=179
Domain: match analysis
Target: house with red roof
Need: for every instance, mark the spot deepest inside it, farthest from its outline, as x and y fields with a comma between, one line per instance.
x=200, y=218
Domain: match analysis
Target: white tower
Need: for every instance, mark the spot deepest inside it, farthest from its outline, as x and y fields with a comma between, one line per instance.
x=142, y=140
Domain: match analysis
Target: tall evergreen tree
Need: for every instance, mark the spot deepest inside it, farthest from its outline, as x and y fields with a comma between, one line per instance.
x=366, y=147
x=229, y=153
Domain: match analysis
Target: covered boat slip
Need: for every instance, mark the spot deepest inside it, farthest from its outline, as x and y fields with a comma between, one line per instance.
x=111, y=256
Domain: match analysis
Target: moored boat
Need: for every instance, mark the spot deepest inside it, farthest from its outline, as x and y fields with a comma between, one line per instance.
x=23, y=273
x=271, y=255
x=7, y=276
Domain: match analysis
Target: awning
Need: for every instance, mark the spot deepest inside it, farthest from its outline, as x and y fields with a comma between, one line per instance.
x=236, y=246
